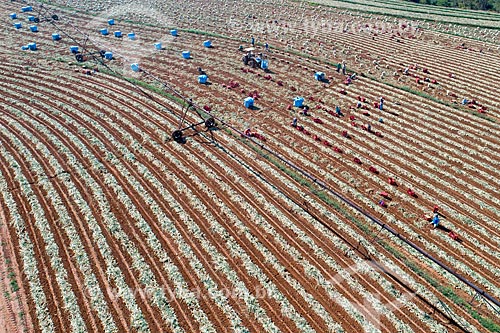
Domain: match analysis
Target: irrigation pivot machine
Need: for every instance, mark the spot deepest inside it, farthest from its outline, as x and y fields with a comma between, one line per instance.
x=209, y=123
x=44, y=16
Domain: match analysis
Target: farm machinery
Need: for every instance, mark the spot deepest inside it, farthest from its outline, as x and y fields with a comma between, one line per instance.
x=253, y=60
x=43, y=16
x=209, y=123
x=84, y=56
x=46, y=19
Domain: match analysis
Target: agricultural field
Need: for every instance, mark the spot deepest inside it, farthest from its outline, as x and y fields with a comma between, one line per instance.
x=108, y=224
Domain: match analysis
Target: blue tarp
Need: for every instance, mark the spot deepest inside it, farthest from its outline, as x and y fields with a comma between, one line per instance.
x=319, y=76
x=135, y=67
x=248, y=102
x=298, y=101
x=202, y=78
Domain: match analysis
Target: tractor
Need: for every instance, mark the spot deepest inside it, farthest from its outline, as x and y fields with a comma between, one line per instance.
x=255, y=61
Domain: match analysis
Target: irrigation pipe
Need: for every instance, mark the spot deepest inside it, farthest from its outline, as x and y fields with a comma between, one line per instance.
x=320, y=183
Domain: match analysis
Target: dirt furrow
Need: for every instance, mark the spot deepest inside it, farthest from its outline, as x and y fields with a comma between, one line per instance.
x=144, y=251
x=268, y=218
x=124, y=270
x=47, y=279
x=77, y=276
x=83, y=230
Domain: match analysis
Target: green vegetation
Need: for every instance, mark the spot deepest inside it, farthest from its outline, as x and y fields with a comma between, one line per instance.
x=466, y=4
x=412, y=10
x=13, y=283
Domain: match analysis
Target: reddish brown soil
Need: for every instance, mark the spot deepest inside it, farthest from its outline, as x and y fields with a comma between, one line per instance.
x=107, y=106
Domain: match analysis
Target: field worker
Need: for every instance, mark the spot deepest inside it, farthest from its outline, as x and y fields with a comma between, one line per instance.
x=464, y=101
x=369, y=127
x=294, y=122
x=344, y=69
x=435, y=220
x=339, y=66
x=405, y=72
x=381, y=104
x=253, y=41
x=306, y=108
x=338, y=110
x=266, y=46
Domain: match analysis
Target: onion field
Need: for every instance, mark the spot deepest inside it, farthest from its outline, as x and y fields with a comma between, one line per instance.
x=278, y=218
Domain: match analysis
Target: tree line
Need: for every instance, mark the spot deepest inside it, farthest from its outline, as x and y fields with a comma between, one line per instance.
x=468, y=4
